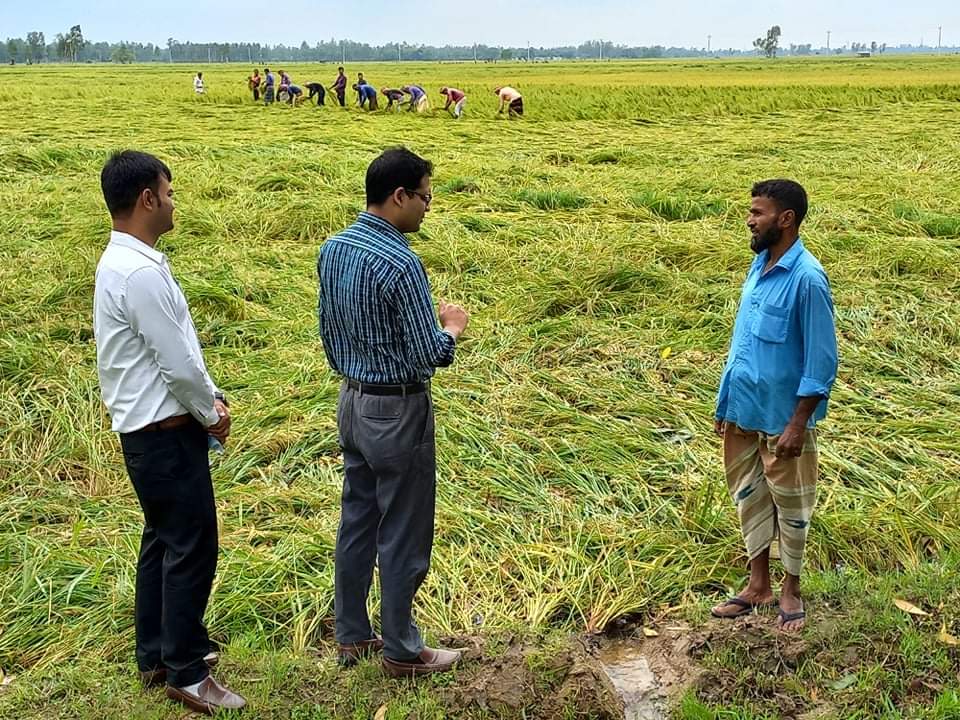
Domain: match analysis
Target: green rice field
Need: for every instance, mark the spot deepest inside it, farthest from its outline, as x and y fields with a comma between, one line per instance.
x=599, y=245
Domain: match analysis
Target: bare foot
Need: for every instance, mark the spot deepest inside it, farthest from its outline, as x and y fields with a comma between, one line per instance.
x=792, y=617
x=749, y=600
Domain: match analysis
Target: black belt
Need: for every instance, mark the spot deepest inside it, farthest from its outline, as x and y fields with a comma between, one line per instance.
x=368, y=389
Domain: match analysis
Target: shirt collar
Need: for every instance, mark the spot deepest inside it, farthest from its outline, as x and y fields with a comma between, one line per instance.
x=788, y=260
x=378, y=223
x=122, y=239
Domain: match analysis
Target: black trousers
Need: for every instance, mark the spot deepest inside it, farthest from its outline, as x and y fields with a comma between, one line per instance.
x=387, y=510
x=316, y=89
x=170, y=472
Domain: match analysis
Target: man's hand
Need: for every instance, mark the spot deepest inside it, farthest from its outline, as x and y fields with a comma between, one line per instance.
x=453, y=318
x=718, y=427
x=790, y=444
x=221, y=431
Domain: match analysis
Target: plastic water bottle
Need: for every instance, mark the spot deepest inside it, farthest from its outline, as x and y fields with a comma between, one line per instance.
x=215, y=445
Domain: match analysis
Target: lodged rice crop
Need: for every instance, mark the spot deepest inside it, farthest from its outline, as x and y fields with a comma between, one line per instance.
x=599, y=246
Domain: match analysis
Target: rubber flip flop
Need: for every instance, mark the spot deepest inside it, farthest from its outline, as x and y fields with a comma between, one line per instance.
x=746, y=607
x=786, y=617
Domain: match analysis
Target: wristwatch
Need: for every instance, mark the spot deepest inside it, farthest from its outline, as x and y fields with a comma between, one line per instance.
x=221, y=397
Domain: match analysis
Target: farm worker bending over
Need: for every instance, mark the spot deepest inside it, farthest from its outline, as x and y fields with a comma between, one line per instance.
x=508, y=95
x=418, y=98
x=380, y=333
x=455, y=97
x=166, y=409
x=780, y=369
x=366, y=94
x=394, y=97
x=316, y=89
x=340, y=87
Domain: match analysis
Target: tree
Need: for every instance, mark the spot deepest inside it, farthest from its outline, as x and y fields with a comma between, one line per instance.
x=13, y=47
x=506, y=54
x=35, y=46
x=122, y=55
x=769, y=44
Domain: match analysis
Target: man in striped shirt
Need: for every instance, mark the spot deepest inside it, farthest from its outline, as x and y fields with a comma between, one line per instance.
x=380, y=332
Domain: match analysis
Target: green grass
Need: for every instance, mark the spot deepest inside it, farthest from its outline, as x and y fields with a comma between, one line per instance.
x=561, y=505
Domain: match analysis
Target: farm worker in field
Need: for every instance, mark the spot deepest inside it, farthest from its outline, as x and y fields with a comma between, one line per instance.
x=268, y=87
x=340, y=87
x=360, y=80
x=455, y=97
x=284, y=81
x=380, y=333
x=509, y=95
x=394, y=97
x=296, y=94
x=774, y=388
x=418, y=98
x=167, y=409
x=316, y=90
x=198, y=83
x=366, y=94
x=253, y=82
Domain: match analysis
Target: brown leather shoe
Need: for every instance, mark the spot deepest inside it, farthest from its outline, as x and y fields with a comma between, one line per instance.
x=429, y=661
x=209, y=697
x=153, y=678
x=352, y=653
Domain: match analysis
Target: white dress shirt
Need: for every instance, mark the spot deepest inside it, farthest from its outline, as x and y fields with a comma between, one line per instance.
x=148, y=355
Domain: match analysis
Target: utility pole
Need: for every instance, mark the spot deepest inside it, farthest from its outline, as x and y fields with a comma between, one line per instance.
x=528, y=51
x=828, y=41
x=939, y=37
x=709, y=37
x=343, y=53
x=474, y=52
x=399, y=53
x=208, y=53
x=601, y=50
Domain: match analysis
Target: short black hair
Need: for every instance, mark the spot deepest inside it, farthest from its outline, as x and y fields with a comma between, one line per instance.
x=340, y=68
x=127, y=174
x=395, y=167
x=787, y=194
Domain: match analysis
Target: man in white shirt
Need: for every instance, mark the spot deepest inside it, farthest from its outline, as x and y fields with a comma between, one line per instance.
x=164, y=405
x=198, y=83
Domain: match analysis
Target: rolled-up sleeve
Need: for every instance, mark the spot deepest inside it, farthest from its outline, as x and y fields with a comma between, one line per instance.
x=428, y=344
x=819, y=339
x=151, y=311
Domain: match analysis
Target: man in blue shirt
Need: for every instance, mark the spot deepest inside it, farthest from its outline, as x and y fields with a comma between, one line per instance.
x=268, y=87
x=774, y=389
x=380, y=333
x=366, y=95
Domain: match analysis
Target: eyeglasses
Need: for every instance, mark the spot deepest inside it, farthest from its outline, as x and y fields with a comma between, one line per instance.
x=426, y=197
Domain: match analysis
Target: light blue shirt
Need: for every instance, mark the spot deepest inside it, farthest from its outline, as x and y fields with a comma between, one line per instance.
x=784, y=344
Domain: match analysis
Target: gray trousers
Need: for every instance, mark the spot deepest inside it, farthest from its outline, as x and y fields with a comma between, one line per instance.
x=386, y=514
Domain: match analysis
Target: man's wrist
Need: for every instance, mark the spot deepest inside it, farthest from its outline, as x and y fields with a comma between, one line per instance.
x=452, y=331
x=218, y=395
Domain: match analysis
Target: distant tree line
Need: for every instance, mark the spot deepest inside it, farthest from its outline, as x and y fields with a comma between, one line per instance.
x=72, y=46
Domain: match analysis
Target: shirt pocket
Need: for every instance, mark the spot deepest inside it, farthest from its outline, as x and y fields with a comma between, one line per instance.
x=771, y=323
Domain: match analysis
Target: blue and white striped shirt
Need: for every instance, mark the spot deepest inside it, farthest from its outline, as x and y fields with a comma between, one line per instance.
x=377, y=319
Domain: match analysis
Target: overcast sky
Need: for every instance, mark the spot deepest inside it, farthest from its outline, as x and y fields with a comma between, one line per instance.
x=493, y=22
